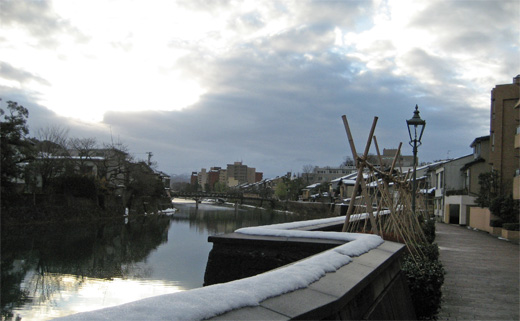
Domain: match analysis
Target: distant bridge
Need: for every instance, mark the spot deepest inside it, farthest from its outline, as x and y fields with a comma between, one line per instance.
x=227, y=196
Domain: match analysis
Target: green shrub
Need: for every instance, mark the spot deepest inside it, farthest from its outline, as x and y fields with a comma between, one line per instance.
x=511, y=226
x=429, y=251
x=75, y=185
x=425, y=276
x=495, y=223
x=489, y=188
x=506, y=208
x=429, y=230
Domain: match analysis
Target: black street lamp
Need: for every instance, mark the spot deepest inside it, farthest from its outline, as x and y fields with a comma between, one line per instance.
x=415, y=130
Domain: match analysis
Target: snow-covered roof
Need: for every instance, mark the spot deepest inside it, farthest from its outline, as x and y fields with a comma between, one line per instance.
x=44, y=155
x=210, y=301
x=349, y=179
x=313, y=185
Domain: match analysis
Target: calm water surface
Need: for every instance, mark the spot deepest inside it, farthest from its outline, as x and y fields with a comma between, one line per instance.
x=52, y=271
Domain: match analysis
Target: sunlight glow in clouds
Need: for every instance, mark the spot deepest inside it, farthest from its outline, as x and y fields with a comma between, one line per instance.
x=126, y=56
x=120, y=59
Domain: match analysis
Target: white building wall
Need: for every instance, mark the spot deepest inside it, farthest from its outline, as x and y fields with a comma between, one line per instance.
x=202, y=178
x=463, y=201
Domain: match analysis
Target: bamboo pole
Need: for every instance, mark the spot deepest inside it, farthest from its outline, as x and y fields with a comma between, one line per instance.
x=359, y=178
x=375, y=189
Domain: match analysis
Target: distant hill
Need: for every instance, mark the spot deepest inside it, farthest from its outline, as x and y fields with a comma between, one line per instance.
x=180, y=178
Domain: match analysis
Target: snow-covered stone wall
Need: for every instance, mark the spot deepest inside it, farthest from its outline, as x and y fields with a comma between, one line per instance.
x=355, y=279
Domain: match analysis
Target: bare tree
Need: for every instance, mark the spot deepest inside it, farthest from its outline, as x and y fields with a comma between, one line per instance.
x=114, y=167
x=56, y=135
x=348, y=161
x=52, y=155
x=307, y=170
x=83, y=150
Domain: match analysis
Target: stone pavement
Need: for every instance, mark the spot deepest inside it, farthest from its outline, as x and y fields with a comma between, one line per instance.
x=482, y=275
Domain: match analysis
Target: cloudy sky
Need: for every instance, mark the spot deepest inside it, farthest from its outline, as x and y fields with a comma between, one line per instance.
x=204, y=83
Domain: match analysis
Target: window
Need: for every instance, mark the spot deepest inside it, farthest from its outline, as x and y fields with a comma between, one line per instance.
x=492, y=108
x=440, y=179
x=476, y=152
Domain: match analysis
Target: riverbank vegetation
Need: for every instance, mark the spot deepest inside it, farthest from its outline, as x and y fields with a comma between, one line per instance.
x=54, y=177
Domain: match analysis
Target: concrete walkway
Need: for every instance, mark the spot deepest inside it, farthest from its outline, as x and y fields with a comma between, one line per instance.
x=482, y=275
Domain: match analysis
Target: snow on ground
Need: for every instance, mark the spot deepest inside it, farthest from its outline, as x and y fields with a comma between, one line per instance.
x=206, y=302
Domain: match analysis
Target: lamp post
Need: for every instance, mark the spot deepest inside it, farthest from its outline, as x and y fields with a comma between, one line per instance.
x=415, y=130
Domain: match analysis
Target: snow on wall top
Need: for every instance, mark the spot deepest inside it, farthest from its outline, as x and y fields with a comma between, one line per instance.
x=210, y=301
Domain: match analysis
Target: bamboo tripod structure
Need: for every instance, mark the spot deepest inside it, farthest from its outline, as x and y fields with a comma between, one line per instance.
x=385, y=197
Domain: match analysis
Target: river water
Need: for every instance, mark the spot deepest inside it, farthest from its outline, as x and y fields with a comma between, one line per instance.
x=56, y=270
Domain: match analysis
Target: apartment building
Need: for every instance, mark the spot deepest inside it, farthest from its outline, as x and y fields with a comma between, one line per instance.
x=328, y=173
x=213, y=176
x=504, y=124
x=194, y=179
x=402, y=160
x=238, y=171
x=233, y=175
x=202, y=178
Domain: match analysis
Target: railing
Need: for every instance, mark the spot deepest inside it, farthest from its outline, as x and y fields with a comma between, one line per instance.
x=235, y=196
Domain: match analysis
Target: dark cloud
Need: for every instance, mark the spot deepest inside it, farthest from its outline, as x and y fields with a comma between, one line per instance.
x=39, y=20
x=21, y=76
x=276, y=130
x=278, y=121
x=430, y=67
x=464, y=26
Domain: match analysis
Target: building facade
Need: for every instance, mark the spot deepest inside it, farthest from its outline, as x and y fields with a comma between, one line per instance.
x=202, y=179
x=516, y=179
x=238, y=172
x=451, y=198
x=402, y=160
x=328, y=173
x=479, y=165
x=213, y=176
x=504, y=124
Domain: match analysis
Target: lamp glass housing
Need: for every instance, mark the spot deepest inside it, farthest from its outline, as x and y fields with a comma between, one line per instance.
x=416, y=127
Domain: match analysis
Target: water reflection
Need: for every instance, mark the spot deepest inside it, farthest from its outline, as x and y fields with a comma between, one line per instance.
x=56, y=270
x=42, y=265
x=220, y=219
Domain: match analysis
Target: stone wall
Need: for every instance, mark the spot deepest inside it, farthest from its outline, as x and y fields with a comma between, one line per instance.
x=317, y=209
x=371, y=287
x=235, y=256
